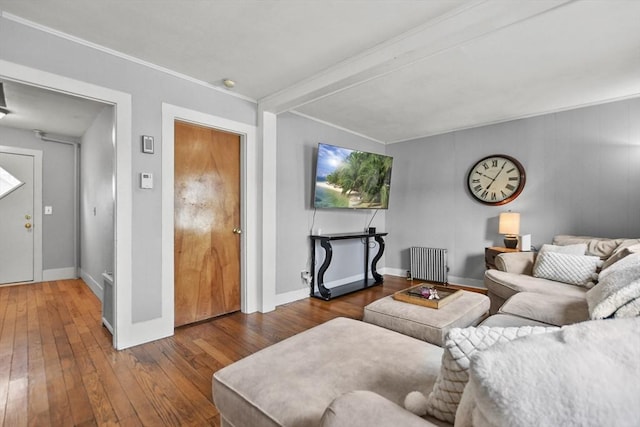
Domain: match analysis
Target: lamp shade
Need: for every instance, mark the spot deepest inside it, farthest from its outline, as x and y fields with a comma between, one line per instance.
x=509, y=223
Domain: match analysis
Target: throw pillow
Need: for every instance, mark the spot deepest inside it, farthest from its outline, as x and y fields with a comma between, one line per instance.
x=626, y=262
x=460, y=345
x=572, y=269
x=619, y=287
x=620, y=253
x=577, y=249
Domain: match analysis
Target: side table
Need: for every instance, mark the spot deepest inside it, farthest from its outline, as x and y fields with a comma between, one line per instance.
x=491, y=253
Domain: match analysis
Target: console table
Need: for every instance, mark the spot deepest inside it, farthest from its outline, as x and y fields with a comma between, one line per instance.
x=325, y=241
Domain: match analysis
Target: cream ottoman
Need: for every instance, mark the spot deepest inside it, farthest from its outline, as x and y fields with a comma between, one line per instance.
x=292, y=383
x=424, y=323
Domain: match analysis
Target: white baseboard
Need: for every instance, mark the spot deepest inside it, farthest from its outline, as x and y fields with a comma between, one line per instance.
x=304, y=293
x=292, y=296
x=398, y=272
x=59, y=274
x=464, y=281
x=94, y=285
x=301, y=294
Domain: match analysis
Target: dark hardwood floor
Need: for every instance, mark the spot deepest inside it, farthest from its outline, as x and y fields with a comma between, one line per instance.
x=58, y=368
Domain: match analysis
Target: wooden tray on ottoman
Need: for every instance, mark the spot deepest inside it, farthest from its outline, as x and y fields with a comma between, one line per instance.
x=412, y=295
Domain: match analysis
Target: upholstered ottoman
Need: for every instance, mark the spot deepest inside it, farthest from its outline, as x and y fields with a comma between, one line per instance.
x=424, y=323
x=292, y=383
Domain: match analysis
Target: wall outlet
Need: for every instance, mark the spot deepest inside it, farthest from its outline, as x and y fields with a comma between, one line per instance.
x=305, y=276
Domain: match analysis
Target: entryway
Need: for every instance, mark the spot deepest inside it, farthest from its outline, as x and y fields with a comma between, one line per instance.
x=207, y=222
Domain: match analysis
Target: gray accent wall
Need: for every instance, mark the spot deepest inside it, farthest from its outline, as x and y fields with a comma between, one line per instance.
x=97, y=204
x=298, y=139
x=57, y=191
x=582, y=171
x=149, y=88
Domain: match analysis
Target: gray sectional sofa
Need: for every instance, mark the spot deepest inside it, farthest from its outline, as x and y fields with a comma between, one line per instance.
x=555, y=302
x=350, y=373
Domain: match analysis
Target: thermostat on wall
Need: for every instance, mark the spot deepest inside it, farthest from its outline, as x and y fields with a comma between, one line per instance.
x=146, y=180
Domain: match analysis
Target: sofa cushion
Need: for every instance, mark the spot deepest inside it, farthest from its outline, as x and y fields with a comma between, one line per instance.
x=507, y=320
x=366, y=408
x=582, y=375
x=596, y=246
x=555, y=310
x=291, y=383
x=516, y=262
x=460, y=346
x=623, y=250
x=619, y=286
x=577, y=270
x=506, y=284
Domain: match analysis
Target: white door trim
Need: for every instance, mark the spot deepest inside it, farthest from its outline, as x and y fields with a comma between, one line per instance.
x=126, y=333
x=37, y=206
x=249, y=215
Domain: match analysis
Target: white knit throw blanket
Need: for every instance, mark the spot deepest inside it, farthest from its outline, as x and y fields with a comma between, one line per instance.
x=583, y=375
x=617, y=293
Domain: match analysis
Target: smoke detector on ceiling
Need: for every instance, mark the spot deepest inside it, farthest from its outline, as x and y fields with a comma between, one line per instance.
x=228, y=83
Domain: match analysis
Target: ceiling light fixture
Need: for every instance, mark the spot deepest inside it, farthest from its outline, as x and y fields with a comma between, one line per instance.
x=228, y=83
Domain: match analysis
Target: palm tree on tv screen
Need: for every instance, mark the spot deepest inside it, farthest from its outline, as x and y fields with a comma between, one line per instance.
x=365, y=173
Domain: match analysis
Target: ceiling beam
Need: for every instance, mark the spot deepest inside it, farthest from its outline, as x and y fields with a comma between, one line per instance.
x=469, y=22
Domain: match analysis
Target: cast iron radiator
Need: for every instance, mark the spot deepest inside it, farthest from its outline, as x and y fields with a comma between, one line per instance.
x=429, y=264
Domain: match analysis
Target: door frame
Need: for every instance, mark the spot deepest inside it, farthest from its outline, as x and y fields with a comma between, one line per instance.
x=37, y=207
x=125, y=332
x=249, y=218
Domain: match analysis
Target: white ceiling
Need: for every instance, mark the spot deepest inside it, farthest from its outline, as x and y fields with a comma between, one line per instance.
x=51, y=112
x=392, y=70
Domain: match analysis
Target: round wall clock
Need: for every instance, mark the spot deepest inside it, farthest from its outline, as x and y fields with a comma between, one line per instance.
x=496, y=179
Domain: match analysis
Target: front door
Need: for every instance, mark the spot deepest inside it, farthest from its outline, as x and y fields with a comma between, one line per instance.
x=207, y=223
x=16, y=217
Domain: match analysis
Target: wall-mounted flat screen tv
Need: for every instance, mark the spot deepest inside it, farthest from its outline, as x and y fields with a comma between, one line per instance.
x=351, y=179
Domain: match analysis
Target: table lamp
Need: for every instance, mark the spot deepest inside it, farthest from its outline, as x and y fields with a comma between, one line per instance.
x=509, y=225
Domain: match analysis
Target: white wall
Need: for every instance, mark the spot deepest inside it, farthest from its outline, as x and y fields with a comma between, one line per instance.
x=57, y=191
x=97, y=200
x=583, y=170
x=149, y=88
x=298, y=139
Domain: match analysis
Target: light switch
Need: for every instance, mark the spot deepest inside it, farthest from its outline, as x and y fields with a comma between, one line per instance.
x=48, y=210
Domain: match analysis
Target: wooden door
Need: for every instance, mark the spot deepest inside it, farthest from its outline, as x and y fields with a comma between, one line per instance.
x=207, y=223
x=16, y=217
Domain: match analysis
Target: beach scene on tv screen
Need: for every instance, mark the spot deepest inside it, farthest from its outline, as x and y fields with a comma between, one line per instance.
x=353, y=179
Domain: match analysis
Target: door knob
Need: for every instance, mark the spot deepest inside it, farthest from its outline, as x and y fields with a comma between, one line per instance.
x=27, y=225
x=237, y=230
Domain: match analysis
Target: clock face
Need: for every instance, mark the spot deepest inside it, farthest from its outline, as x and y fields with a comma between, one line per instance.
x=496, y=179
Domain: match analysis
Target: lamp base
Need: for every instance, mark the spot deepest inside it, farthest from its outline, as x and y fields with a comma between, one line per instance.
x=510, y=242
